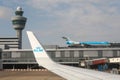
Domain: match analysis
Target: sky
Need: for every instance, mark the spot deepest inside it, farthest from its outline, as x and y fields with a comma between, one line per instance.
x=80, y=20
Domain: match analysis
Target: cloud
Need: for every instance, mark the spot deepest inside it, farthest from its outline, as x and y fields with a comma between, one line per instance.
x=77, y=9
x=84, y=19
x=5, y=12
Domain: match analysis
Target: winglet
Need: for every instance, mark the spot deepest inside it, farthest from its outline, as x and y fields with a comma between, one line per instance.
x=39, y=52
x=37, y=48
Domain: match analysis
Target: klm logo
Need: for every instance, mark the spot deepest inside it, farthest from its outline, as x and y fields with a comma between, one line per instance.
x=38, y=49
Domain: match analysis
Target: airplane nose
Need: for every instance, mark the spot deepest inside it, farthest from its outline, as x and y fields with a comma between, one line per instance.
x=68, y=42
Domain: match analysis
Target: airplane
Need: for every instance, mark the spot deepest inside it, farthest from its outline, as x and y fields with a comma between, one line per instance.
x=67, y=72
x=86, y=43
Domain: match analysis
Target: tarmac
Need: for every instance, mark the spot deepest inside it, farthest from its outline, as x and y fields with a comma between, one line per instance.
x=29, y=75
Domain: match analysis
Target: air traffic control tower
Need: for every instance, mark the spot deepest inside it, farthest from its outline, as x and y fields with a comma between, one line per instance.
x=19, y=22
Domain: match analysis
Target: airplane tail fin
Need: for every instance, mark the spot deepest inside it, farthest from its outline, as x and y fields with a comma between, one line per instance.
x=66, y=38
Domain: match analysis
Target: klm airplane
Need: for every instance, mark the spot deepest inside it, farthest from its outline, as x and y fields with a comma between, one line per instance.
x=86, y=43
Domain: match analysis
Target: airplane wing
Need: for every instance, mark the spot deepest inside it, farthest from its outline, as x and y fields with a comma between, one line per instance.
x=67, y=72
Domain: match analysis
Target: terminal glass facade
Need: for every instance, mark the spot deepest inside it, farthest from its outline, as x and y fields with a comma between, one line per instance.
x=64, y=56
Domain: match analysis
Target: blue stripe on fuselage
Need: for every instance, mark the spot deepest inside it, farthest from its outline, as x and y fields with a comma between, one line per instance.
x=95, y=43
x=88, y=43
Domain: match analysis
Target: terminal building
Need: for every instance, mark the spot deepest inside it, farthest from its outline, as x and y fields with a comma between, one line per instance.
x=24, y=58
x=12, y=56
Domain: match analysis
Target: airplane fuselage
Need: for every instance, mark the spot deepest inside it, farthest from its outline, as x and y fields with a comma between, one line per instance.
x=88, y=43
